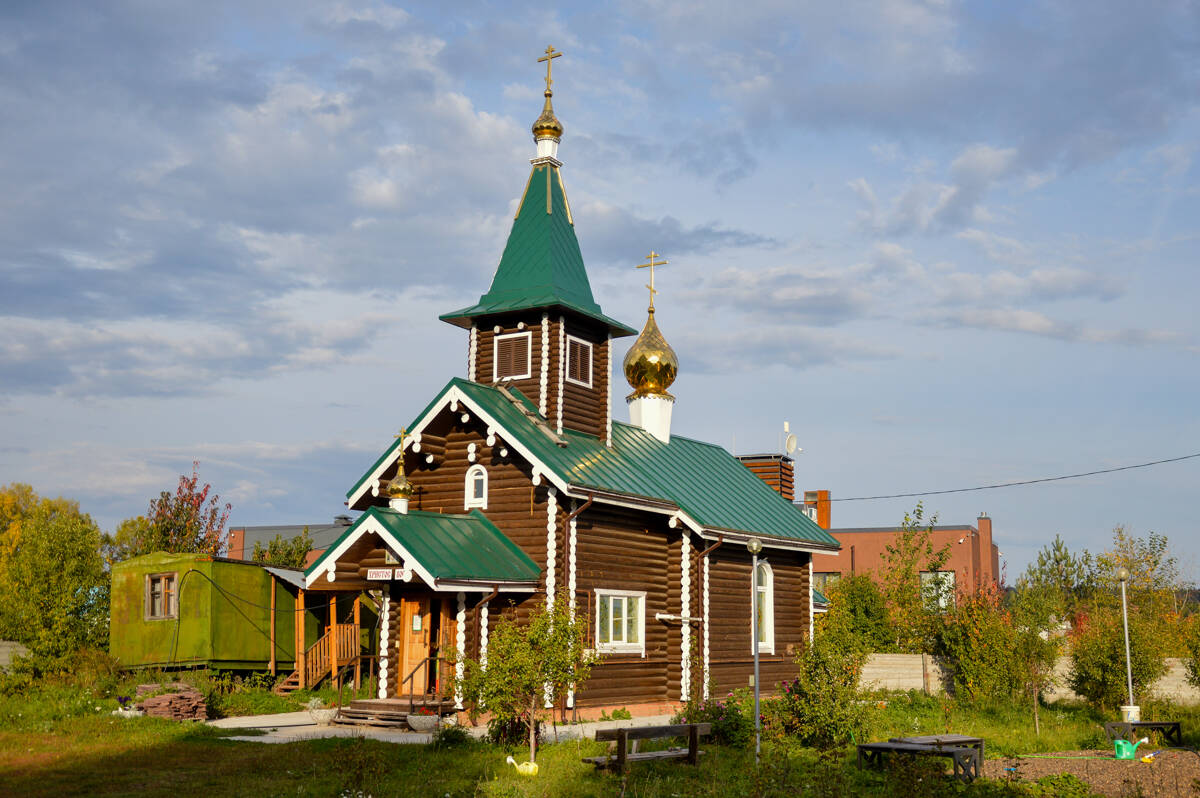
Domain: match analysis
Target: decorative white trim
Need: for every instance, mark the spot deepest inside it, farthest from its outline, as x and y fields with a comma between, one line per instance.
x=591, y=349
x=562, y=369
x=811, y=628
x=483, y=635
x=685, y=609
x=528, y=336
x=384, y=624
x=460, y=621
x=608, y=392
x=469, y=498
x=544, y=386
x=472, y=353
x=571, y=539
x=551, y=542
x=472, y=453
x=704, y=601
x=638, y=648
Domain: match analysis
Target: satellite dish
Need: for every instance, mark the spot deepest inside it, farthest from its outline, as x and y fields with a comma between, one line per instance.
x=789, y=443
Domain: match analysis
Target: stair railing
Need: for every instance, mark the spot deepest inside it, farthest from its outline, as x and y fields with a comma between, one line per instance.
x=410, y=679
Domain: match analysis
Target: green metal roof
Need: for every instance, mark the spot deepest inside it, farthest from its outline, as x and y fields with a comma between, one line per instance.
x=712, y=486
x=541, y=266
x=819, y=597
x=449, y=547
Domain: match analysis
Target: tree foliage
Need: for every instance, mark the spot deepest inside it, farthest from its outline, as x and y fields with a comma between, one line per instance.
x=53, y=588
x=914, y=623
x=284, y=552
x=529, y=665
x=187, y=521
x=1098, y=656
x=1058, y=576
x=857, y=609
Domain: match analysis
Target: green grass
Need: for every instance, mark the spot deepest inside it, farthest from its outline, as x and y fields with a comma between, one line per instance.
x=60, y=740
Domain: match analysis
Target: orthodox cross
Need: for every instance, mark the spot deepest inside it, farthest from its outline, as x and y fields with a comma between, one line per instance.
x=651, y=257
x=549, y=57
x=403, y=433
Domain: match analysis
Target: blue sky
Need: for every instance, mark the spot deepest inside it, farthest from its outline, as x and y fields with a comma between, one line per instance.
x=952, y=244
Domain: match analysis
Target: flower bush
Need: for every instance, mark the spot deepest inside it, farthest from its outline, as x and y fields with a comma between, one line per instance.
x=731, y=724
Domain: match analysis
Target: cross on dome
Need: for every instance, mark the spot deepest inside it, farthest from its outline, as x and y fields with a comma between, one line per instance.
x=652, y=263
x=549, y=57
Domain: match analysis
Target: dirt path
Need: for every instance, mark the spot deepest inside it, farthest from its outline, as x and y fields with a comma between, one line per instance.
x=1172, y=773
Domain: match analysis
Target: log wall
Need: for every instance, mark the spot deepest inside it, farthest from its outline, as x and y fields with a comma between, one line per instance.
x=731, y=662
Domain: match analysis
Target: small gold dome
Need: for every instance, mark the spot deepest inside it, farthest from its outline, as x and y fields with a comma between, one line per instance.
x=547, y=124
x=650, y=364
x=400, y=487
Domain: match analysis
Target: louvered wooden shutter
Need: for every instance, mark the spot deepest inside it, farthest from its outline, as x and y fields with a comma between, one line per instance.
x=512, y=356
x=579, y=361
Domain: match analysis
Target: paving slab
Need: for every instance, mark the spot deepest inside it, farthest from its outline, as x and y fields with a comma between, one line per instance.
x=290, y=727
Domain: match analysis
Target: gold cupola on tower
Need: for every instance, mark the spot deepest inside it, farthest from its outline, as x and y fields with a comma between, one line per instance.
x=399, y=489
x=547, y=130
x=650, y=367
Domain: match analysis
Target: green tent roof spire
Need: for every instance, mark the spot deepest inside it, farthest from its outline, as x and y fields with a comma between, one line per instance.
x=542, y=266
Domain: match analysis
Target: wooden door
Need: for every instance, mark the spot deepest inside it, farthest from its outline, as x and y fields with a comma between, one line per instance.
x=413, y=643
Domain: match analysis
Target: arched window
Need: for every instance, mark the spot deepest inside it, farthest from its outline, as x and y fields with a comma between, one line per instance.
x=475, y=489
x=764, y=606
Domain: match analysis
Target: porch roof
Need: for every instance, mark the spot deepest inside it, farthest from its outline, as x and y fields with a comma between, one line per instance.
x=442, y=548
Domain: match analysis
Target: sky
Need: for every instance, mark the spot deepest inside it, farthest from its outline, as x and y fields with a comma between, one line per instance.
x=952, y=244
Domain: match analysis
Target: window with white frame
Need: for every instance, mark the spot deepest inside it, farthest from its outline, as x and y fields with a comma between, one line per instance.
x=161, y=596
x=937, y=590
x=475, y=489
x=513, y=353
x=621, y=622
x=764, y=608
x=579, y=361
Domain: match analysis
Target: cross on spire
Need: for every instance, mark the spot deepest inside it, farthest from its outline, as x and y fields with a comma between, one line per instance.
x=652, y=263
x=549, y=57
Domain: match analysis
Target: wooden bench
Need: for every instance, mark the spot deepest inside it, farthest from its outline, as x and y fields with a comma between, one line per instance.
x=1129, y=731
x=967, y=759
x=623, y=756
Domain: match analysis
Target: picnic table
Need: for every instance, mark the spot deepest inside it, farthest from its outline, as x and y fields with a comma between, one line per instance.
x=964, y=752
x=1128, y=730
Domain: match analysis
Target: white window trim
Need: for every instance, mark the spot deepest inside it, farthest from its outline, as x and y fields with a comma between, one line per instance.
x=591, y=362
x=469, y=500
x=528, y=336
x=170, y=604
x=944, y=596
x=638, y=648
x=766, y=646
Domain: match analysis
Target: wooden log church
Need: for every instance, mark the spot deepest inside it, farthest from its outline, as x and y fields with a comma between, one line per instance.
x=516, y=483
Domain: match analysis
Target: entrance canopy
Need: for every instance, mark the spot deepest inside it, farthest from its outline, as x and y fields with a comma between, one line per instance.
x=447, y=552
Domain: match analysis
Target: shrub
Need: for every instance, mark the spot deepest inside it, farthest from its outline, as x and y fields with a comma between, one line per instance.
x=730, y=724
x=977, y=642
x=857, y=607
x=1098, y=657
x=451, y=736
x=511, y=732
x=821, y=706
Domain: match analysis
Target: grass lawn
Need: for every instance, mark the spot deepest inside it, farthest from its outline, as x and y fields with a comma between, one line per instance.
x=60, y=741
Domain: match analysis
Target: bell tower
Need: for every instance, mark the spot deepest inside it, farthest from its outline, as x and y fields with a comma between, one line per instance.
x=538, y=329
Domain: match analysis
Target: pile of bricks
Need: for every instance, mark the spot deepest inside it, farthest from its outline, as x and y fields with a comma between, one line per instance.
x=185, y=703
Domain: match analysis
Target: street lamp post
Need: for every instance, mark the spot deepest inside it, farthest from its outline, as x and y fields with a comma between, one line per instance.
x=1123, y=577
x=754, y=546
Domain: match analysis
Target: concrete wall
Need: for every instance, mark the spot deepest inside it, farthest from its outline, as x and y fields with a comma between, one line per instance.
x=8, y=650
x=921, y=672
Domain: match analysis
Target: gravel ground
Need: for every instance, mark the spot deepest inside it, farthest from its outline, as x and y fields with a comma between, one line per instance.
x=1172, y=774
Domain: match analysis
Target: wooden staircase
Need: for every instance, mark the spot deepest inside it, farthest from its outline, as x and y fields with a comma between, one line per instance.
x=317, y=664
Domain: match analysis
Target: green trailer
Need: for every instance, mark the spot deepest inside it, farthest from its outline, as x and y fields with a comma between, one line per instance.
x=193, y=610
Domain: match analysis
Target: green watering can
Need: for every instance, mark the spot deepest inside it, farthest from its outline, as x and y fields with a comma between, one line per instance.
x=1127, y=750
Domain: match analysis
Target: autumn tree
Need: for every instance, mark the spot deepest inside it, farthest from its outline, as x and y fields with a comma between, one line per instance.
x=912, y=605
x=187, y=521
x=54, y=587
x=1057, y=576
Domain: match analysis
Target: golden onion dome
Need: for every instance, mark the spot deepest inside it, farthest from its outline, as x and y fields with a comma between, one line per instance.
x=650, y=364
x=400, y=487
x=547, y=125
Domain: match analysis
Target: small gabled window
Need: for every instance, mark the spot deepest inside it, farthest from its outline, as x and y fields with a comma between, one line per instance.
x=513, y=354
x=579, y=361
x=161, y=596
x=475, y=491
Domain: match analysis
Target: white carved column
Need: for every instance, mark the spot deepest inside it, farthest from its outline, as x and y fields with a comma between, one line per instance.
x=384, y=624
x=461, y=639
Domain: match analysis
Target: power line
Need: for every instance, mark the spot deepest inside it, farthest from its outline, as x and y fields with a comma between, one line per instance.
x=1020, y=482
